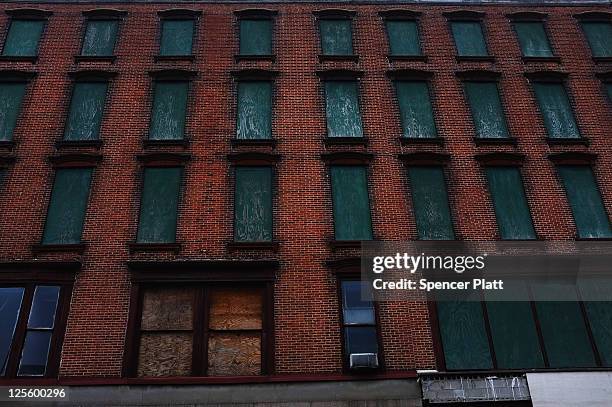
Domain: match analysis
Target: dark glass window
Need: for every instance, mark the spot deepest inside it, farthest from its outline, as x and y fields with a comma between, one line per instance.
x=469, y=38
x=86, y=110
x=486, y=109
x=255, y=37
x=351, y=203
x=169, y=110
x=177, y=37
x=11, y=97
x=415, y=109
x=336, y=37
x=23, y=38
x=254, y=110
x=403, y=37
x=342, y=109
x=253, y=204
x=358, y=320
x=556, y=110
x=100, y=38
x=599, y=35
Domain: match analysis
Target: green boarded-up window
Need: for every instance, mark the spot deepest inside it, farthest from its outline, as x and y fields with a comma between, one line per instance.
x=351, y=203
x=86, y=108
x=510, y=202
x=159, y=205
x=415, y=109
x=68, y=205
x=584, y=198
x=469, y=38
x=256, y=37
x=342, y=109
x=533, y=39
x=169, y=110
x=176, y=37
x=11, y=96
x=486, y=108
x=403, y=37
x=556, y=110
x=430, y=203
x=23, y=38
x=463, y=334
x=253, y=204
x=254, y=110
x=599, y=35
x=336, y=37
x=100, y=37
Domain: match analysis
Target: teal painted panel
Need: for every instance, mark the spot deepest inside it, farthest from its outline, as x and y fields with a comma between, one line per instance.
x=68, y=205
x=486, y=108
x=86, y=110
x=100, y=38
x=463, y=334
x=336, y=37
x=403, y=37
x=342, y=109
x=253, y=204
x=533, y=39
x=23, y=38
x=430, y=203
x=159, y=205
x=556, y=110
x=563, y=328
x=169, y=110
x=254, y=110
x=255, y=37
x=585, y=200
x=11, y=97
x=351, y=203
x=177, y=37
x=511, y=208
x=469, y=38
x=599, y=35
x=415, y=109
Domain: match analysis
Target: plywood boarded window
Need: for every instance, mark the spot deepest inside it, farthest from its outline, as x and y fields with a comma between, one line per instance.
x=415, y=109
x=255, y=37
x=403, y=37
x=254, y=110
x=351, y=203
x=599, y=35
x=100, y=38
x=177, y=37
x=533, y=39
x=23, y=38
x=86, y=109
x=11, y=96
x=486, y=108
x=336, y=37
x=253, y=204
x=469, y=38
x=342, y=109
x=169, y=110
x=556, y=110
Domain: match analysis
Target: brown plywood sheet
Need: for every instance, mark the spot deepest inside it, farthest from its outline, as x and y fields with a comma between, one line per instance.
x=235, y=308
x=234, y=354
x=165, y=354
x=167, y=309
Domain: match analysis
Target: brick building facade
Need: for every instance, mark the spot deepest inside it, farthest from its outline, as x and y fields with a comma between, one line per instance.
x=227, y=156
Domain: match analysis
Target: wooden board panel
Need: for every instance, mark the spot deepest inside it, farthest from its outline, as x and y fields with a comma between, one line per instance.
x=167, y=354
x=234, y=354
x=167, y=308
x=235, y=308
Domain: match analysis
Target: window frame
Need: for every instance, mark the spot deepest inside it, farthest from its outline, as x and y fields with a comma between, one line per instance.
x=101, y=15
x=593, y=17
x=256, y=14
x=533, y=17
x=25, y=14
x=178, y=14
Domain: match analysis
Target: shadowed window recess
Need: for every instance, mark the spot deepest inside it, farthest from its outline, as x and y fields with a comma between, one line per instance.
x=556, y=110
x=86, y=111
x=256, y=36
x=68, y=206
x=430, y=203
x=351, y=203
x=342, y=109
x=100, y=38
x=23, y=38
x=253, y=216
x=169, y=111
x=254, y=110
x=533, y=39
x=415, y=108
x=176, y=37
x=403, y=37
x=486, y=108
x=469, y=39
x=159, y=205
x=11, y=98
x=336, y=37
x=599, y=36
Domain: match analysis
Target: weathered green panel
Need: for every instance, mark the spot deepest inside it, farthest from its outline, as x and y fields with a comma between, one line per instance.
x=169, y=110
x=403, y=37
x=556, y=110
x=255, y=37
x=415, y=109
x=11, y=96
x=469, y=38
x=68, y=205
x=511, y=208
x=533, y=39
x=23, y=38
x=463, y=334
x=486, y=108
x=253, y=204
x=583, y=195
x=254, y=110
x=351, y=203
x=342, y=109
x=599, y=35
x=159, y=205
x=430, y=203
x=100, y=37
x=86, y=109
x=336, y=37
x=177, y=37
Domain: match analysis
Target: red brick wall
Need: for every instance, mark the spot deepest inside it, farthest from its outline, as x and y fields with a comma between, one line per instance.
x=306, y=304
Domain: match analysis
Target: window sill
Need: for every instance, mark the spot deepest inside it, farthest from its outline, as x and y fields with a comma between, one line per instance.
x=483, y=58
x=51, y=248
x=421, y=140
x=17, y=58
x=351, y=141
x=240, y=57
x=236, y=142
x=163, y=58
x=593, y=239
x=541, y=59
x=345, y=244
x=602, y=60
x=7, y=145
x=79, y=143
x=349, y=58
x=272, y=246
x=154, y=247
x=482, y=141
x=147, y=143
x=95, y=58
x=567, y=141
x=419, y=58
